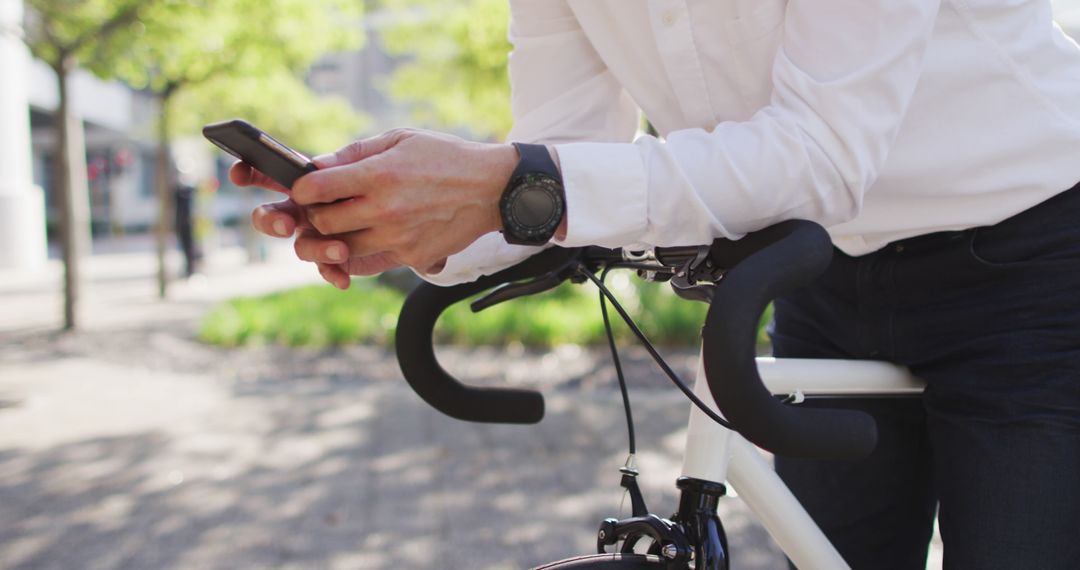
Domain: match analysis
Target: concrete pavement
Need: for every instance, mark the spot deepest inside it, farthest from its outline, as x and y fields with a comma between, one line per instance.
x=132, y=445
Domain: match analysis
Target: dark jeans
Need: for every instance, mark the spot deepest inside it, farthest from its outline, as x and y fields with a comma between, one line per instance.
x=990, y=318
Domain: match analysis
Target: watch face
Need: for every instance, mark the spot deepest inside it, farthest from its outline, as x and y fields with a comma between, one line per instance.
x=533, y=207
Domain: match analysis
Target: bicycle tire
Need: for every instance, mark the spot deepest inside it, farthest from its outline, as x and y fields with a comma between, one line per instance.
x=607, y=562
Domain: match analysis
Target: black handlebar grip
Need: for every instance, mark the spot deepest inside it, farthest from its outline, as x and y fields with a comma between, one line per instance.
x=764, y=265
x=416, y=353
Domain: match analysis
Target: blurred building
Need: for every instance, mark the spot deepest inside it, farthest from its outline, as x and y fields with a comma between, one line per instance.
x=121, y=152
x=120, y=158
x=22, y=220
x=358, y=76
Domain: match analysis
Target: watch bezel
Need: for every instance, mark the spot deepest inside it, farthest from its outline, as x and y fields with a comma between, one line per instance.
x=536, y=234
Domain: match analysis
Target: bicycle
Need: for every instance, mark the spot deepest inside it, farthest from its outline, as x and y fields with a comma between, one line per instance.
x=732, y=406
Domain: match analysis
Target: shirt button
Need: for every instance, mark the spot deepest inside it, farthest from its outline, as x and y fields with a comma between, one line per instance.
x=668, y=18
x=899, y=248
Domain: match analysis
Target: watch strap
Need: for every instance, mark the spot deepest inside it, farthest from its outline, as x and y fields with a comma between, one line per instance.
x=535, y=158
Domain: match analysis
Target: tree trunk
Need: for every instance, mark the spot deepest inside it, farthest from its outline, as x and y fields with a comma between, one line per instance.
x=72, y=196
x=164, y=194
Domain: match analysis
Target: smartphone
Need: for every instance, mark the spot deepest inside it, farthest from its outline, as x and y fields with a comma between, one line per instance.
x=259, y=150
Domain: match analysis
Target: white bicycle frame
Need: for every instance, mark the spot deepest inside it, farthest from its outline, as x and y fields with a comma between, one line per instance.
x=714, y=453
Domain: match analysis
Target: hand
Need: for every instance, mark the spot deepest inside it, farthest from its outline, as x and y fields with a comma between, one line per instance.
x=330, y=254
x=413, y=197
x=283, y=219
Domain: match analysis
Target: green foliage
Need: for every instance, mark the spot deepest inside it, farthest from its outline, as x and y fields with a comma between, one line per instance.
x=310, y=316
x=367, y=313
x=220, y=58
x=244, y=58
x=71, y=31
x=456, y=77
x=280, y=103
x=567, y=315
x=763, y=322
x=181, y=42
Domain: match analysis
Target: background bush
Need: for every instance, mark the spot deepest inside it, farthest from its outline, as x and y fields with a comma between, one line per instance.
x=320, y=315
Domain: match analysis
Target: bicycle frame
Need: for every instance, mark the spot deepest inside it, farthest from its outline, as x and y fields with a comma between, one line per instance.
x=738, y=278
x=714, y=453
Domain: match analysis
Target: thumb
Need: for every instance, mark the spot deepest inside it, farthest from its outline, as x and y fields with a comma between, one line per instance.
x=361, y=149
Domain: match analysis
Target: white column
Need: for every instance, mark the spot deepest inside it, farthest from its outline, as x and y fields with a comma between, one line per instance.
x=22, y=205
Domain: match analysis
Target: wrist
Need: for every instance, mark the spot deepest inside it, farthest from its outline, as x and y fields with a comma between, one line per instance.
x=504, y=159
x=560, y=232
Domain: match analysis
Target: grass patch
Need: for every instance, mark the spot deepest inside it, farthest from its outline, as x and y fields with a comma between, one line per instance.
x=319, y=316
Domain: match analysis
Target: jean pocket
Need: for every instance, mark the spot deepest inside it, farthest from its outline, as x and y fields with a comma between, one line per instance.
x=1045, y=235
x=1005, y=246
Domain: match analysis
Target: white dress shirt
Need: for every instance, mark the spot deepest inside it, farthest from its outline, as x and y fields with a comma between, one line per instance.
x=879, y=119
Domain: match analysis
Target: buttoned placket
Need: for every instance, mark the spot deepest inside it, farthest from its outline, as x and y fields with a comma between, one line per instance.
x=675, y=42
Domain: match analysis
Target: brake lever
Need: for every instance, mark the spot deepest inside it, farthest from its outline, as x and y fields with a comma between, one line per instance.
x=509, y=291
x=695, y=279
x=570, y=270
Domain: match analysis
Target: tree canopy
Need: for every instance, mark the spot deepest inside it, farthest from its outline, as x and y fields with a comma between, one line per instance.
x=455, y=75
x=77, y=29
x=225, y=58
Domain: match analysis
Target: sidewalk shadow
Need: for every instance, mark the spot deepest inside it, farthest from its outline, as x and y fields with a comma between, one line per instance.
x=324, y=459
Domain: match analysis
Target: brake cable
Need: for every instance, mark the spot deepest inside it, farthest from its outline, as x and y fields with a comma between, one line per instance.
x=605, y=292
x=618, y=366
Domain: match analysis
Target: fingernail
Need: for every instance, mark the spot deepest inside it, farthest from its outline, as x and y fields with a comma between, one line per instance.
x=334, y=253
x=279, y=228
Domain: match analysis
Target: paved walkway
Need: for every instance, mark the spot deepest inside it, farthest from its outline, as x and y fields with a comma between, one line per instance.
x=131, y=445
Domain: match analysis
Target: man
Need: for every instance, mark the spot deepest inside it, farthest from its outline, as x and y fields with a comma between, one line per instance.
x=185, y=195
x=935, y=139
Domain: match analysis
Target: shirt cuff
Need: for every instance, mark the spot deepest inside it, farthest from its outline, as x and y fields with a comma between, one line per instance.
x=488, y=254
x=605, y=194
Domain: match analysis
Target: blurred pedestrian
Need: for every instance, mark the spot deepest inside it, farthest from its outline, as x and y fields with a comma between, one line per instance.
x=185, y=227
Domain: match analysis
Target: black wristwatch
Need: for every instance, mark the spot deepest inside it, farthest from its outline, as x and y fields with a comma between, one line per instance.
x=534, y=201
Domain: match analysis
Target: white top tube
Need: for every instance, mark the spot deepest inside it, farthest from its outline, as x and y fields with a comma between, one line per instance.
x=822, y=377
x=710, y=447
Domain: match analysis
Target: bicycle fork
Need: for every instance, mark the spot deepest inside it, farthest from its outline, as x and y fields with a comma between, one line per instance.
x=714, y=453
x=692, y=538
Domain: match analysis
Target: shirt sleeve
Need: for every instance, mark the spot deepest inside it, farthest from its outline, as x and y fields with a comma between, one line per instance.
x=843, y=78
x=561, y=92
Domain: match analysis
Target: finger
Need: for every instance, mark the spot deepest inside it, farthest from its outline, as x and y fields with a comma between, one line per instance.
x=368, y=242
x=348, y=215
x=370, y=264
x=349, y=171
x=334, y=275
x=278, y=219
x=335, y=183
x=361, y=149
x=243, y=174
x=399, y=248
x=320, y=249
